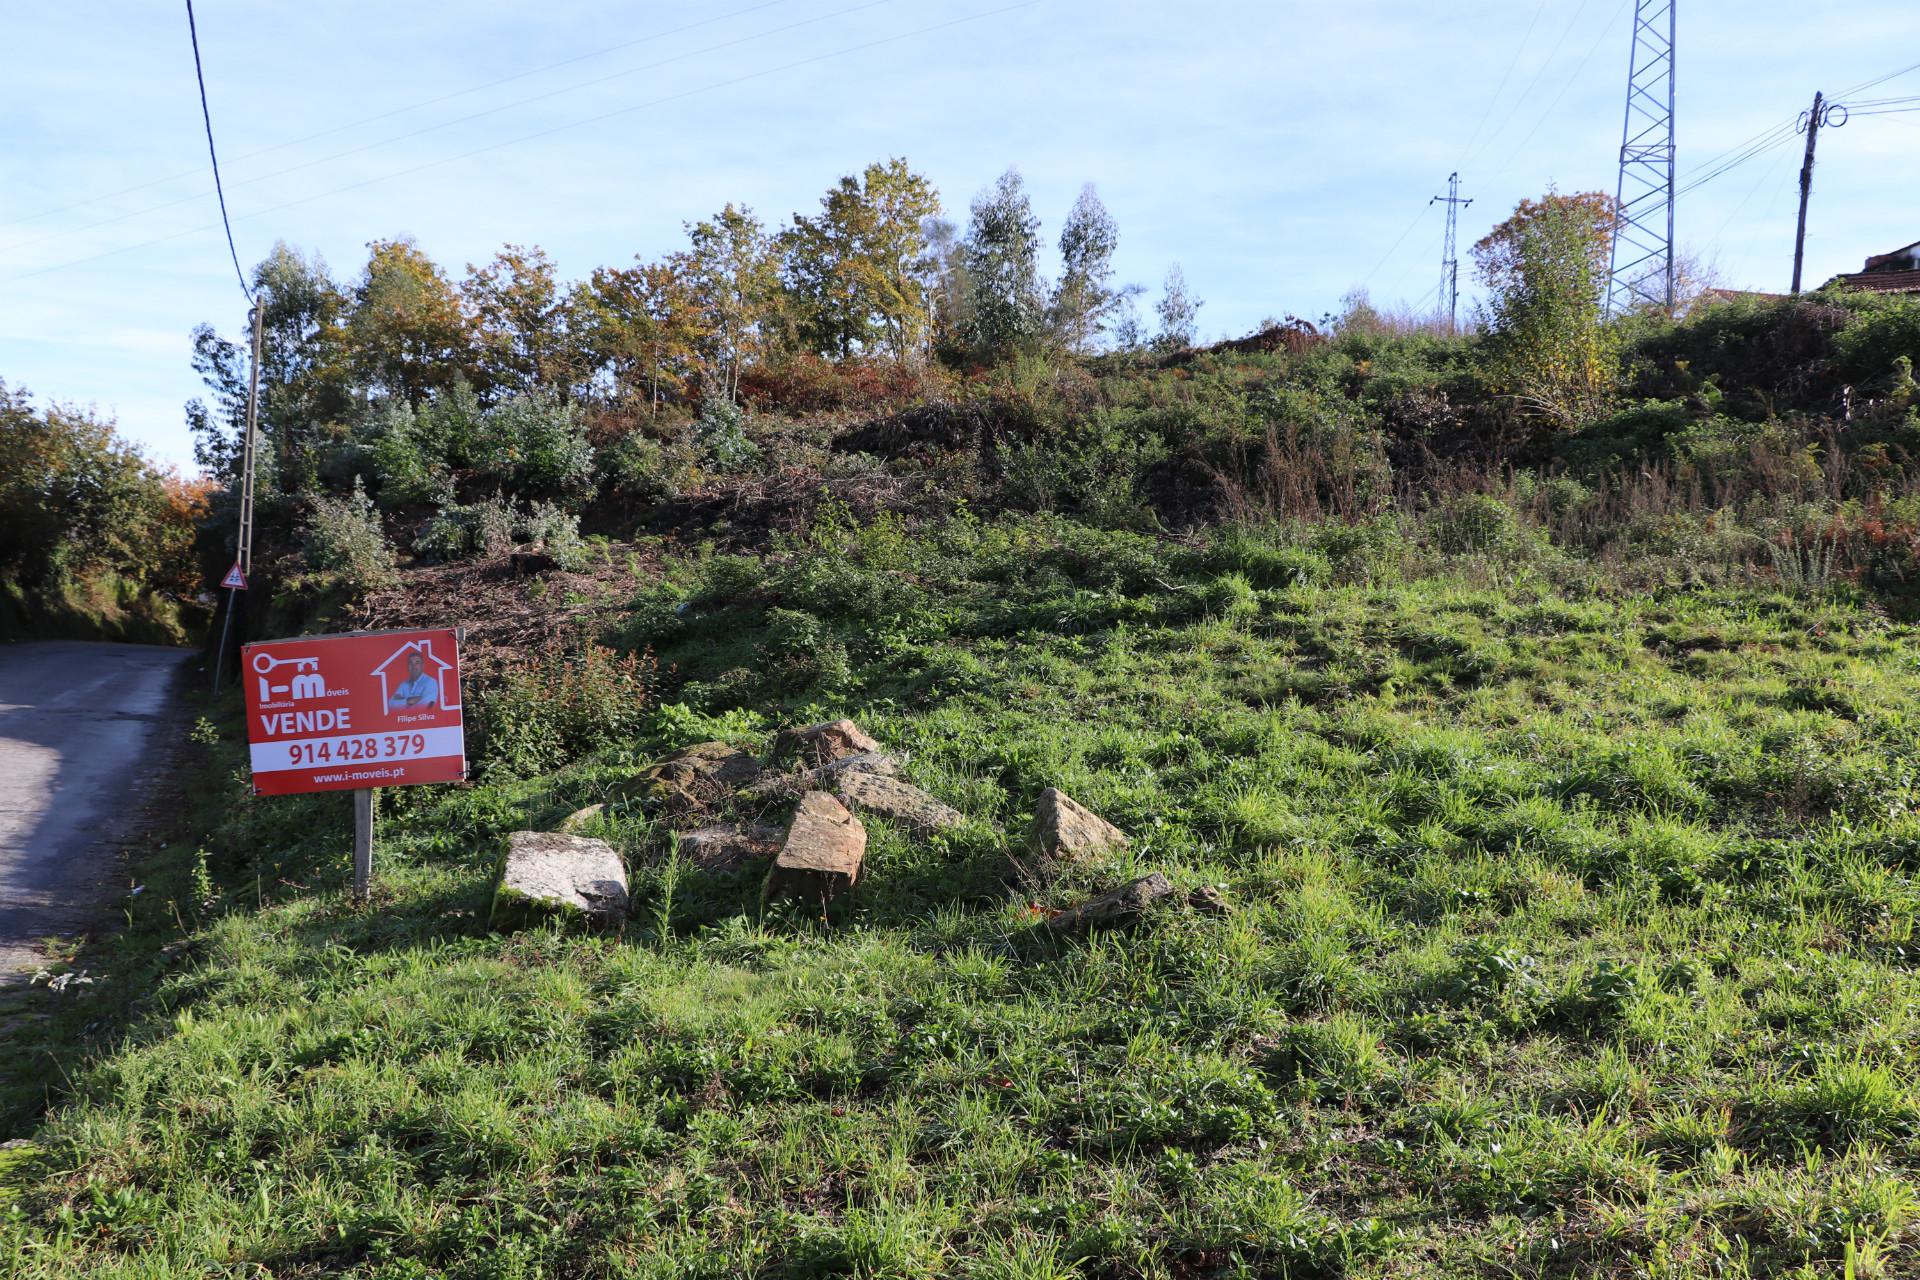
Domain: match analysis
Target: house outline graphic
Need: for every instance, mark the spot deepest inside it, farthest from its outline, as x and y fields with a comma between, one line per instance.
x=436, y=666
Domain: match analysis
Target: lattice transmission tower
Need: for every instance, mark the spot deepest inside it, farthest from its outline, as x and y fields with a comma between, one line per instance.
x=1641, y=273
x=1450, y=252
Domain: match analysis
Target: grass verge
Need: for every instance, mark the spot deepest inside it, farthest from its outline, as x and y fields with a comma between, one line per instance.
x=1573, y=934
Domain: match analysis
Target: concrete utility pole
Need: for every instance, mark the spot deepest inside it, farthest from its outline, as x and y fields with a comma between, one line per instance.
x=1450, y=253
x=1822, y=114
x=243, y=560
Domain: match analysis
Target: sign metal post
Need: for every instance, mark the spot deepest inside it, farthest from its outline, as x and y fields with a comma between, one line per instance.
x=362, y=842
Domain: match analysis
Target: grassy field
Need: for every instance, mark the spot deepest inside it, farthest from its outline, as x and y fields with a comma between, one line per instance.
x=1573, y=935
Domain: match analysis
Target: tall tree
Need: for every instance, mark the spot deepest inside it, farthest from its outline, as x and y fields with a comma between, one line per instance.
x=1545, y=271
x=640, y=325
x=1085, y=299
x=732, y=274
x=949, y=296
x=409, y=336
x=859, y=269
x=1001, y=255
x=306, y=376
x=517, y=317
x=1179, y=312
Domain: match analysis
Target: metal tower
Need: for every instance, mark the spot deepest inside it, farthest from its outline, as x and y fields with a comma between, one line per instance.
x=1642, y=269
x=1450, y=252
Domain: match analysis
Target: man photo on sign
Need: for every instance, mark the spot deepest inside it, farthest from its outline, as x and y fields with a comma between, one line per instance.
x=416, y=691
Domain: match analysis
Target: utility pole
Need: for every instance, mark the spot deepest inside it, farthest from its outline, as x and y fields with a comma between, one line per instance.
x=1449, y=253
x=1641, y=271
x=1822, y=114
x=243, y=560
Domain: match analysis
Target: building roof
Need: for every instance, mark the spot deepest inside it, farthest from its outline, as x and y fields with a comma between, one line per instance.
x=1881, y=281
x=1903, y=259
x=1710, y=296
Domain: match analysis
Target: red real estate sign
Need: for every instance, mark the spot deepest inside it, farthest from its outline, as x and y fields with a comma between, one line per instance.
x=339, y=713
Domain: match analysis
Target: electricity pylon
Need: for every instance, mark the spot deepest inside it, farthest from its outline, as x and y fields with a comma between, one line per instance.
x=1641, y=273
x=1449, y=253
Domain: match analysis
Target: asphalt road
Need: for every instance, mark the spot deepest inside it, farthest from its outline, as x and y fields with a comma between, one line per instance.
x=82, y=727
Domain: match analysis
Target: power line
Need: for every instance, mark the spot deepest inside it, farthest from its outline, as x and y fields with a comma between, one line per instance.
x=470, y=116
x=1865, y=85
x=1396, y=244
x=1538, y=76
x=194, y=35
x=542, y=133
x=1765, y=177
x=414, y=106
x=1752, y=153
x=1790, y=127
x=1468, y=152
x=1565, y=84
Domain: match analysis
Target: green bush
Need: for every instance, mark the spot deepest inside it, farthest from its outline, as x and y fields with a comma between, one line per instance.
x=408, y=468
x=1884, y=328
x=555, y=532
x=77, y=501
x=555, y=708
x=1473, y=524
x=345, y=546
x=535, y=443
x=494, y=526
x=640, y=469
x=721, y=431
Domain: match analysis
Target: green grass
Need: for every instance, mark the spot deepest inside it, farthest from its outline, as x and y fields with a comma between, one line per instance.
x=1574, y=935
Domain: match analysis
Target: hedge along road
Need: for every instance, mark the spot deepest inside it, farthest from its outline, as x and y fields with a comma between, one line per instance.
x=81, y=727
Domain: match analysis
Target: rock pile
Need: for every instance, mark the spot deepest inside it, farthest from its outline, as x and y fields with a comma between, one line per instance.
x=715, y=796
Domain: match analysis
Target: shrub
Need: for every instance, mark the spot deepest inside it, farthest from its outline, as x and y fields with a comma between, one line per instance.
x=536, y=443
x=1545, y=273
x=493, y=526
x=552, y=709
x=1884, y=328
x=1473, y=524
x=640, y=469
x=76, y=499
x=345, y=545
x=721, y=431
x=555, y=532
x=407, y=468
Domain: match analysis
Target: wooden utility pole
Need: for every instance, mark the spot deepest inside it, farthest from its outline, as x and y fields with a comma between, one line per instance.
x=1806, y=185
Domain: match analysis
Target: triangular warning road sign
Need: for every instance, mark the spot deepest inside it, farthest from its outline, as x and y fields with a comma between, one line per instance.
x=235, y=580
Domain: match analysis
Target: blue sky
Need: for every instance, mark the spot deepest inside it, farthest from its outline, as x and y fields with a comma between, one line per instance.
x=1283, y=153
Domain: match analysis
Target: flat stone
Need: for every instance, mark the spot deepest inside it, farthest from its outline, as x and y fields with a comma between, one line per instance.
x=579, y=818
x=719, y=762
x=1122, y=906
x=819, y=744
x=725, y=849
x=881, y=763
x=690, y=778
x=897, y=801
x=550, y=873
x=1208, y=900
x=773, y=783
x=822, y=854
x=1064, y=830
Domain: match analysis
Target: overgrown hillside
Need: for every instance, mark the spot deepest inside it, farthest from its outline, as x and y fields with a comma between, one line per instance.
x=1570, y=932
x=1523, y=721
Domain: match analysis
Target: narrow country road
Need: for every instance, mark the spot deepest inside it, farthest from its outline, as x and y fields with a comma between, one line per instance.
x=79, y=731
